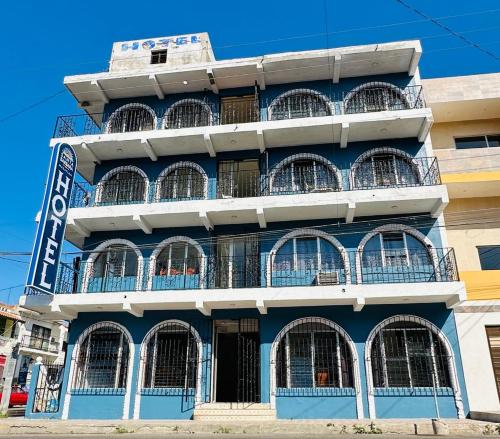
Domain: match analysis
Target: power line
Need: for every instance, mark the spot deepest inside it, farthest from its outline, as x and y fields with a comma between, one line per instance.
x=448, y=29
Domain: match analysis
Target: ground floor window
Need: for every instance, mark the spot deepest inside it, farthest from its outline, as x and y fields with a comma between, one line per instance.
x=102, y=360
x=171, y=357
x=313, y=354
x=408, y=354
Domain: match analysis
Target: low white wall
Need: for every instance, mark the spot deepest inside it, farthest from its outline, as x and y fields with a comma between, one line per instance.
x=476, y=359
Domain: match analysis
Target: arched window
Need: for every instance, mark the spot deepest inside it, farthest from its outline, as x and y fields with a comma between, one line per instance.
x=406, y=353
x=102, y=361
x=177, y=263
x=132, y=117
x=307, y=260
x=396, y=256
x=313, y=354
x=385, y=167
x=303, y=174
x=183, y=182
x=188, y=113
x=178, y=258
x=299, y=103
x=122, y=186
x=114, y=268
x=375, y=96
x=170, y=357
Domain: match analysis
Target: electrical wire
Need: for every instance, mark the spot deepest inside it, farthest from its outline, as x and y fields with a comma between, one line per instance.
x=448, y=29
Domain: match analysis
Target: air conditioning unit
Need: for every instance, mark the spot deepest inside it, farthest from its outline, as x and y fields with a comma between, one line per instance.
x=327, y=278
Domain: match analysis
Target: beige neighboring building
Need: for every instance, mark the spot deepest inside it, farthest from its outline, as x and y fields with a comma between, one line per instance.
x=466, y=140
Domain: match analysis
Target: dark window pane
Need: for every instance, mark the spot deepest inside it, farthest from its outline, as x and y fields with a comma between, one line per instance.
x=470, y=142
x=489, y=257
x=493, y=141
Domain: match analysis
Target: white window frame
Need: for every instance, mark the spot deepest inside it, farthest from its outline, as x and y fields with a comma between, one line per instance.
x=169, y=260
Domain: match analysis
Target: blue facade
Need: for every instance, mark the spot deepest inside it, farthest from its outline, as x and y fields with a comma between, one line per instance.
x=298, y=403
x=129, y=398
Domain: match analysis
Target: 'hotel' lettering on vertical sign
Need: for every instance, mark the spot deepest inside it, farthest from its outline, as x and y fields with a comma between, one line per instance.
x=49, y=239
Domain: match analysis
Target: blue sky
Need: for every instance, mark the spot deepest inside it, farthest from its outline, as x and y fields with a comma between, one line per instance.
x=44, y=41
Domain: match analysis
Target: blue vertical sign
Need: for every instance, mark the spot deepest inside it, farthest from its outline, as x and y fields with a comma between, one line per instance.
x=49, y=239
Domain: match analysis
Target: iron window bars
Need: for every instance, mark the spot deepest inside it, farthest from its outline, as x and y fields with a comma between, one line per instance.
x=103, y=358
x=171, y=358
x=313, y=355
x=48, y=388
x=406, y=353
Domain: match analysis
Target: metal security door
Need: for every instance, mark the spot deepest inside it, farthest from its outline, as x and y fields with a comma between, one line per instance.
x=248, y=361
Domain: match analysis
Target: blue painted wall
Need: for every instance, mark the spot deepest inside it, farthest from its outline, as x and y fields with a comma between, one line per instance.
x=291, y=403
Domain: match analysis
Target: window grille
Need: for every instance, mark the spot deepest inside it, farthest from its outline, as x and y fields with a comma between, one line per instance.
x=171, y=358
x=125, y=186
x=186, y=114
x=306, y=103
x=376, y=97
x=182, y=183
x=158, y=56
x=386, y=169
x=406, y=353
x=131, y=119
x=305, y=175
x=178, y=258
x=313, y=354
x=116, y=261
x=103, y=358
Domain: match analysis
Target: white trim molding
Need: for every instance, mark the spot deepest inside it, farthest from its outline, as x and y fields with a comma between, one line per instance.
x=89, y=262
x=297, y=91
x=305, y=156
x=177, y=165
x=74, y=360
x=127, y=107
x=142, y=360
x=114, y=171
x=396, y=228
x=304, y=233
x=435, y=330
x=203, y=104
x=172, y=240
x=342, y=333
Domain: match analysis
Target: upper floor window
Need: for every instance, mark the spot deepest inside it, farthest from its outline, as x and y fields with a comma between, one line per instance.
x=375, y=96
x=124, y=186
x=489, y=256
x=299, y=103
x=489, y=141
x=385, y=168
x=305, y=174
x=132, y=117
x=408, y=354
x=178, y=258
x=115, y=261
x=158, y=56
x=188, y=113
x=183, y=182
x=395, y=249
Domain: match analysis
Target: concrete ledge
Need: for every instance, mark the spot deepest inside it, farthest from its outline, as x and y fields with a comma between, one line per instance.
x=334, y=426
x=486, y=416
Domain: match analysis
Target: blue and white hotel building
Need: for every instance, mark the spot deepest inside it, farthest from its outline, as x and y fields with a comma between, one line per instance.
x=260, y=237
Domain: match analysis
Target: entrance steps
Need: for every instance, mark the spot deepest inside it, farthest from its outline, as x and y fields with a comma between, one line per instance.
x=234, y=411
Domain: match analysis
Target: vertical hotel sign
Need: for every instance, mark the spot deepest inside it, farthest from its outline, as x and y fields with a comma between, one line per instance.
x=42, y=272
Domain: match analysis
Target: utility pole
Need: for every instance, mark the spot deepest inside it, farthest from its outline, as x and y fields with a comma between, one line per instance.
x=8, y=377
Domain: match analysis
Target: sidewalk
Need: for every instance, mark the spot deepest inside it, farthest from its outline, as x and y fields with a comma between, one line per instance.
x=452, y=427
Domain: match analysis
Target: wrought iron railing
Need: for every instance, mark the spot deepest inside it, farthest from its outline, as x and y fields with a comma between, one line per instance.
x=39, y=343
x=380, y=171
x=264, y=270
x=189, y=113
